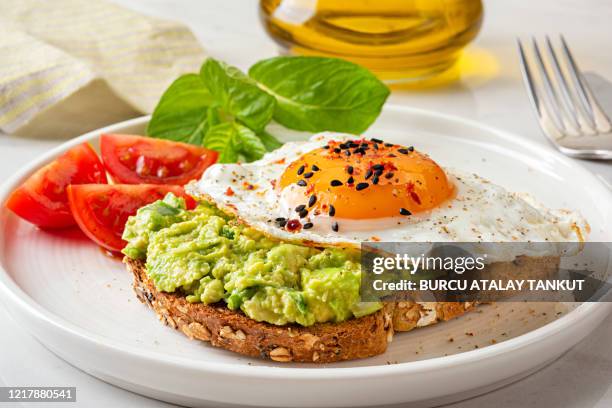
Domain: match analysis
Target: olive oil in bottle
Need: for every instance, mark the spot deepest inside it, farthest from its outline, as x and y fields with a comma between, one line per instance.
x=399, y=40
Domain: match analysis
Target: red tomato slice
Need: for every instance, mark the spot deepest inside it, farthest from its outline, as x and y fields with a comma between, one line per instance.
x=138, y=159
x=101, y=211
x=42, y=199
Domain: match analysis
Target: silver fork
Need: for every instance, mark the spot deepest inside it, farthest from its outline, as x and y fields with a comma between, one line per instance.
x=568, y=113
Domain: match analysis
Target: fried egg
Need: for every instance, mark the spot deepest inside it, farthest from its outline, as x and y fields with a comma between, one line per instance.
x=339, y=190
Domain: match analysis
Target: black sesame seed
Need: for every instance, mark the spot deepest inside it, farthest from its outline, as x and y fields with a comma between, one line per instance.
x=361, y=186
x=337, y=150
x=312, y=200
x=389, y=144
x=352, y=145
x=375, y=180
x=391, y=155
x=300, y=208
x=376, y=140
x=335, y=226
x=279, y=219
x=308, y=225
x=301, y=183
x=332, y=210
x=375, y=146
x=350, y=180
x=389, y=175
x=303, y=213
x=404, y=211
x=282, y=223
x=335, y=183
x=325, y=147
x=368, y=174
x=411, y=149
x=343, y=146
x=309, y=174
x=315, y=167
x=349, y=169
x=346, y=152
x=365, y=145
x=378, y=166
x=403, y=151
x=378, y=172
x=301, y=170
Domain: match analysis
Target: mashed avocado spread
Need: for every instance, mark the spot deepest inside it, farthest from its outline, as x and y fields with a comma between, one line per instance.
x=210, y=257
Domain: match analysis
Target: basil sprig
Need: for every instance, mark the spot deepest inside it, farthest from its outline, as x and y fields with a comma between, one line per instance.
x=224, y=109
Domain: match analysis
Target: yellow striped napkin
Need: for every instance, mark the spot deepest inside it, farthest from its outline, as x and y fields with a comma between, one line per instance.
x=72, y=65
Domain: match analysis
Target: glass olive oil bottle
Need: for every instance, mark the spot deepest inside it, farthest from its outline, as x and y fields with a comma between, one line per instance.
x=399, y=40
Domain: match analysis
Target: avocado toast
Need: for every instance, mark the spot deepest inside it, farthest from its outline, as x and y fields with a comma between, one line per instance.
x=232, y=330
x=217, y=280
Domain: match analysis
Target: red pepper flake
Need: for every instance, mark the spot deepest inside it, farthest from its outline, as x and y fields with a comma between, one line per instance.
x=248, y=186
x=374, y=238
x=280, y=161
x=229, y=192
x=390, y=166
x=293, y=225
x=273, y=183
x=415, y=197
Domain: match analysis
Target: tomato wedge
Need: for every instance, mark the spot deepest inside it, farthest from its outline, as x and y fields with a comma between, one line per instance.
x=42, y=199
x=137, y=159
x=101, y=211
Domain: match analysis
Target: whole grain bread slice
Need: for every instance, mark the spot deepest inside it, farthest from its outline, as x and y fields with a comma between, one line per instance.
x=232, y=330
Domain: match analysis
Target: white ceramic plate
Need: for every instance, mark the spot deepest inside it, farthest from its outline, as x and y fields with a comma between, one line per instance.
x=79, y=302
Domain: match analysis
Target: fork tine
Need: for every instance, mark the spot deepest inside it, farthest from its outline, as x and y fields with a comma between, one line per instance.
x=573, y=71
x=590, y=104
x=533, y=95
x=543, y=113
x=551, y=94
x=580, y=120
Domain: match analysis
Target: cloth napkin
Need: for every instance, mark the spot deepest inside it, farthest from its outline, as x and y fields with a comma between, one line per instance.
x=67, y=66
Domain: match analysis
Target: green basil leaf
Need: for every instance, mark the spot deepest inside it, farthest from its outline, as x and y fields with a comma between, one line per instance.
x=316, y=93
x=220, y=138
x=269, y=141
x=250, y=145
x=237, y=94
x=234, y=142
x=182, y=113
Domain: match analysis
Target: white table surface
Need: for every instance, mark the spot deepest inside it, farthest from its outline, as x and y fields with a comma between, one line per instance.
x=229, y=30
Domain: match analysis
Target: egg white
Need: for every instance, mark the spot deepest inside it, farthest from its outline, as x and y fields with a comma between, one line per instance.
x=480, y=211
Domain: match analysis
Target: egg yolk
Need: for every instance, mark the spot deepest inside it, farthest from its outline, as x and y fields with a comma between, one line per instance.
x=365, y=179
